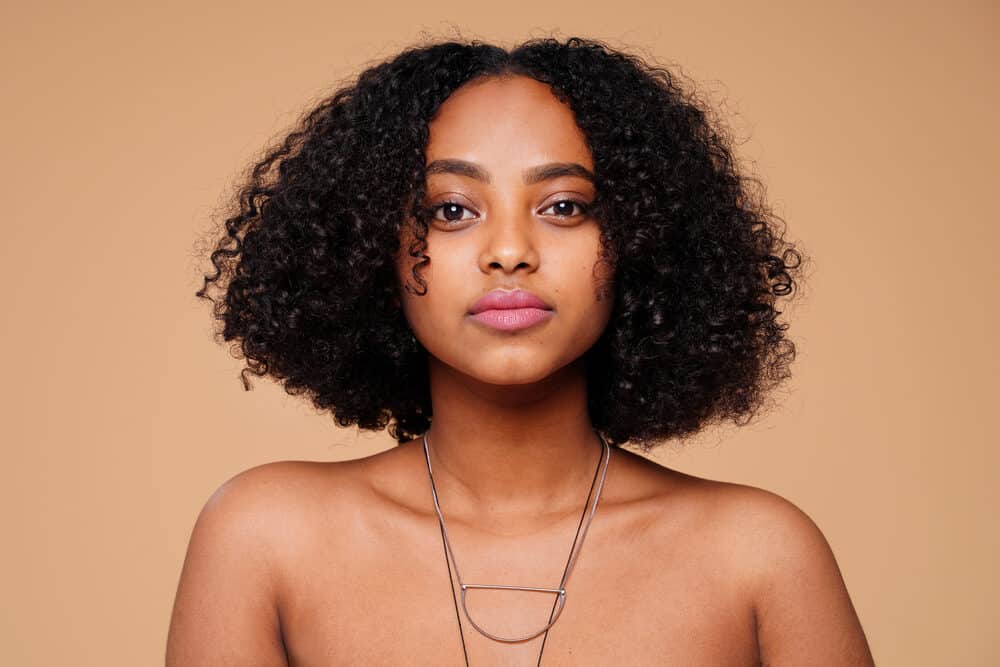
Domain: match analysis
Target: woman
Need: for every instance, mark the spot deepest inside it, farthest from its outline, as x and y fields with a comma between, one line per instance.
x=517, y=261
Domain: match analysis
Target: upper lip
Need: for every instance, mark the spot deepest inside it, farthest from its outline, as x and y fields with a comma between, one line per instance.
x=500, y=299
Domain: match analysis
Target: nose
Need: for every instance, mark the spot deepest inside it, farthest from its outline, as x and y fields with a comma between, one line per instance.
x=509, y=244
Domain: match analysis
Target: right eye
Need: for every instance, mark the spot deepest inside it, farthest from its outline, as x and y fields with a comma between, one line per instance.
x=450, y=211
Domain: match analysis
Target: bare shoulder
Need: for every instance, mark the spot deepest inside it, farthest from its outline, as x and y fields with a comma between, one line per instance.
x=280, y=482
x=278, y=502
x=226, y=609
x=759, y=522
x=294, y=508
x=782, y=560
x=766, y=529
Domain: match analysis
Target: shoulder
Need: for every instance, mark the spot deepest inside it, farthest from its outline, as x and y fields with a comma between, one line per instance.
x=761, y=535
x=764, y=524
x=271, y=495
x=739, y=510
x=277, y=481
x=275, y=508
x=286, y=499
x=269, y=488
x=784, y=564
x=226, y=606
x=754, y=535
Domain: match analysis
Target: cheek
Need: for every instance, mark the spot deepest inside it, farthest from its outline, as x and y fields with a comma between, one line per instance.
x=427, y=304
x=586, y=280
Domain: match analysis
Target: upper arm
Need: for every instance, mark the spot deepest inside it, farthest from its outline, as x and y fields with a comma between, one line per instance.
x=803, y=612
x=225, y=611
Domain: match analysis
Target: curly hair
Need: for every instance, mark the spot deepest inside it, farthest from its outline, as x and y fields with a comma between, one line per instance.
x=305, y=266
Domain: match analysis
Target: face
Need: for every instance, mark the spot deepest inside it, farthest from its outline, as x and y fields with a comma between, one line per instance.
x=515, y=291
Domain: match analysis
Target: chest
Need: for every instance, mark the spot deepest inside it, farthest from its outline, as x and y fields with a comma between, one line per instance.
x=379, y=594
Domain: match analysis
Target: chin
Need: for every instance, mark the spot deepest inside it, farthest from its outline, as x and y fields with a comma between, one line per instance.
x=511, y=369
x=512, y=377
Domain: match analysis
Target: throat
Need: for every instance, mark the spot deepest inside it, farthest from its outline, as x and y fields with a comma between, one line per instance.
x=504, y=500
x=511, y=451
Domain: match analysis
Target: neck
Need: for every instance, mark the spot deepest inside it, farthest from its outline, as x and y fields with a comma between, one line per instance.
x=512, y=450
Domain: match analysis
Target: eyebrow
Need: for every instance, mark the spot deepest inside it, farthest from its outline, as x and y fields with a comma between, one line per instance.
x=532, y=175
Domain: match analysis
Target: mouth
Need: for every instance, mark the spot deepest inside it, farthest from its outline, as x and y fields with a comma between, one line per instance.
x=510, y=310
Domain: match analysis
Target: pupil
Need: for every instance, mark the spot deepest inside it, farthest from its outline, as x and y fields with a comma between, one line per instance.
x=567, y=207
x=450, y=209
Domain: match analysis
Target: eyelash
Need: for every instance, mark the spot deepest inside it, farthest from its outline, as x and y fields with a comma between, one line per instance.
x=434, y=209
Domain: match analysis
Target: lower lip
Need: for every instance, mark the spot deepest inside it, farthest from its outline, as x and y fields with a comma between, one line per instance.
x=512, y=319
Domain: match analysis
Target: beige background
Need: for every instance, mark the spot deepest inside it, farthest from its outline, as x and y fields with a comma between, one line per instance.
x=124, y=125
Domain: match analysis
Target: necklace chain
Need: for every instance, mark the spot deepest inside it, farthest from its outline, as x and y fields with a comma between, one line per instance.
x=560, y=592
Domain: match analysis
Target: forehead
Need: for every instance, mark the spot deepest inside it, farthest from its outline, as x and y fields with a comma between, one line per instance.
x=506, y=119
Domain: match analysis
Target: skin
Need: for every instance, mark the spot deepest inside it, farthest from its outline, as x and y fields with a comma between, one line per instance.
x=308, y=563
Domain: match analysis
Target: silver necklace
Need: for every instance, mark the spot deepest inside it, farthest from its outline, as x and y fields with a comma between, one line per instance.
x=560, y=592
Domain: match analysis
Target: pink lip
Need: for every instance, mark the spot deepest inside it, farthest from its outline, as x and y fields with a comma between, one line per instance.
x=499, y=299
x=508, y=310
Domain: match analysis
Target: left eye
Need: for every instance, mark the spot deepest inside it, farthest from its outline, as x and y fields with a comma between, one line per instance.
x=564, y=208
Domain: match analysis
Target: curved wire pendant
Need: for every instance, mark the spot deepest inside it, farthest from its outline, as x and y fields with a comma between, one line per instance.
x=560, y=592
